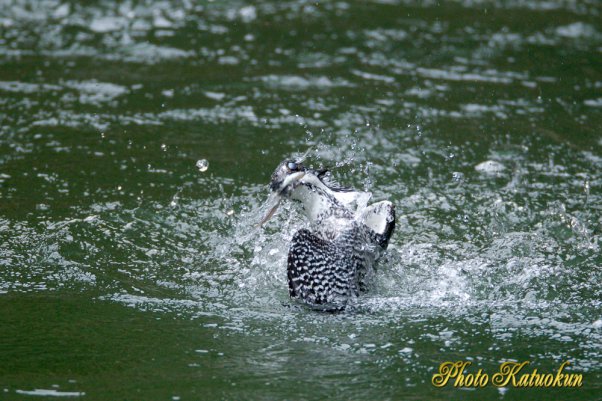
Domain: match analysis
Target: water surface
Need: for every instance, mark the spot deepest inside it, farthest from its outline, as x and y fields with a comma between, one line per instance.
x=126, y=272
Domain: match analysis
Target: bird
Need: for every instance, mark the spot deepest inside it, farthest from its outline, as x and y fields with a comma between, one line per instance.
x=330, y=262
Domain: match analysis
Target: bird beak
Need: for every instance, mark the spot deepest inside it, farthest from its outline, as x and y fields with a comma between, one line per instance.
x=275, y=197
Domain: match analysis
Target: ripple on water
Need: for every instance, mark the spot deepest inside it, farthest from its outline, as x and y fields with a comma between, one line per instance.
x=299, y=82
x=51, y=393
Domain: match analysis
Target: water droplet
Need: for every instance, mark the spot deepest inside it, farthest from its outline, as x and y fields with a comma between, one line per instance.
x=42, y=206
x=202, y=165
x=457, y=176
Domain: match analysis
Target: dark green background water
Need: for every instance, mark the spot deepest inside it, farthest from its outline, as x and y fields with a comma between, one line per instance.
x=128, y=273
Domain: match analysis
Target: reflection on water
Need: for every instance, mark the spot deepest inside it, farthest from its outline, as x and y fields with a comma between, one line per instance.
x=136, y=146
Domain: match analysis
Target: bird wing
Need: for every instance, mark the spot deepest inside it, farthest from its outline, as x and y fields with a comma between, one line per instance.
x=380, y=219
x=320, y=272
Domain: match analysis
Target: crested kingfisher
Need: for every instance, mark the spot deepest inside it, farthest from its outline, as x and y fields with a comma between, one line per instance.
x=330, y=263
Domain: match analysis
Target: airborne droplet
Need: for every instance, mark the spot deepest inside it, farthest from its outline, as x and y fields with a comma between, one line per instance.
x=202, y=165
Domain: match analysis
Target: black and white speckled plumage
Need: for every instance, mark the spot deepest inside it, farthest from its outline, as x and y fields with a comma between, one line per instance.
x=331, y=263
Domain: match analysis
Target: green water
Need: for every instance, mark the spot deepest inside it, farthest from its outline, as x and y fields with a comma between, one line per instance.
x=126, y=273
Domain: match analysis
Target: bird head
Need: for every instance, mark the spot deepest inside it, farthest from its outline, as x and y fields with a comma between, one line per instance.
x=285, y=179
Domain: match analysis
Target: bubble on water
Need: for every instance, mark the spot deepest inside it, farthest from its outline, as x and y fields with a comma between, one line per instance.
x=490, y=167
x=163, y=147
x=202, y=165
